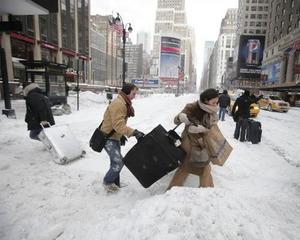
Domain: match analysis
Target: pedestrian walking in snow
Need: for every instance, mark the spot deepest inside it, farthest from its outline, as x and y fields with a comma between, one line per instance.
x=38, y=110
x=115, y=119
x=242, y=114
x=198, y=118
x=224, y=103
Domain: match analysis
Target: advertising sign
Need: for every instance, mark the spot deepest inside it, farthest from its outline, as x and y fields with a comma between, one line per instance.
x=271, y=72
x=146, y=83
x=250, y=56
x=169, y=59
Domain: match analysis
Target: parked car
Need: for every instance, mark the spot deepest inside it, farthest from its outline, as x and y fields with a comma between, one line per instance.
x=273, y=103
x=254, y=108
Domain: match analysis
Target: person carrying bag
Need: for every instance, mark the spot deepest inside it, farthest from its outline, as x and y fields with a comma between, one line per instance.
x=111, y=133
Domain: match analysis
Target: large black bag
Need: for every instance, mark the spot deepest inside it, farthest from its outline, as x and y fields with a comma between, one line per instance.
x=99, y=138
x=154, y=155
x=254, y=131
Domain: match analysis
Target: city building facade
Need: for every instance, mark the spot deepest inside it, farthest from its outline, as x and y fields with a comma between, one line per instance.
x=281, y=64
x=134, y=59
x=56, y=37
x=144, y=38
x=113, y=48
x=226, y=43
x=208, y=48
x=171, y=22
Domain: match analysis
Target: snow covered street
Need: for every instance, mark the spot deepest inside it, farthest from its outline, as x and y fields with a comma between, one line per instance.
x=256, y=194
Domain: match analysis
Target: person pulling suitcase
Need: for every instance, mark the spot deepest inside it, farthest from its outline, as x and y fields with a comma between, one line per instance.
x=115, y=119
x=198, y=118
x=38, y=110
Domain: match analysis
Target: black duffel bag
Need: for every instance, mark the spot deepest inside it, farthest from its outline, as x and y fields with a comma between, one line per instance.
x=99, y=138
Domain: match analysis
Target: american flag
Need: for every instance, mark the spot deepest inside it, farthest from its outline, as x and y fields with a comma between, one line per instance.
x=113, y=26
x=295, y=47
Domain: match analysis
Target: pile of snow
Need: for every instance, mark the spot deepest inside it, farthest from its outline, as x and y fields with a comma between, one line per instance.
x=256, y=194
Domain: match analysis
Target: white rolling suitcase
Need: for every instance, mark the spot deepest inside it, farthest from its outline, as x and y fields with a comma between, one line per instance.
x=61, y=143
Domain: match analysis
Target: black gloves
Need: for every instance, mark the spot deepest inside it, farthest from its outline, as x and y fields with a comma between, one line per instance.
x=138, y=134
x=123, y=140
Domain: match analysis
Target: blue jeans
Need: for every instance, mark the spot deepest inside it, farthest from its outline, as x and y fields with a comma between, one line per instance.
x=222, y=111
x=113, y=149
x=34, y=134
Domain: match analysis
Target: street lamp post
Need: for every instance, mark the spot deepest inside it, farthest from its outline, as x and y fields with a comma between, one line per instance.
x=125, y=28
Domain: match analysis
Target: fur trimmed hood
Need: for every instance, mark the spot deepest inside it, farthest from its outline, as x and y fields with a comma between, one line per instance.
x=28, y=88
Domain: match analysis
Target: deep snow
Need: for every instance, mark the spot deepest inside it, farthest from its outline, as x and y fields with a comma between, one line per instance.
x=256, y=194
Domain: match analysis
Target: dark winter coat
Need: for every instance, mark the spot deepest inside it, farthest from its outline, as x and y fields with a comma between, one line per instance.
x=224, y=101
x=37, y=109
x=243, y=103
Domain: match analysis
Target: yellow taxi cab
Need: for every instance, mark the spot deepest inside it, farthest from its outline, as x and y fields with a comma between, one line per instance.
x=254, y=108
x=273, y=103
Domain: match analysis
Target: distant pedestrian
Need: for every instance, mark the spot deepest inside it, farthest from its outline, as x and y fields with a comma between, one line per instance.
x=224, y=103
x=241, y=116
x=38, y=110
x=198, y=118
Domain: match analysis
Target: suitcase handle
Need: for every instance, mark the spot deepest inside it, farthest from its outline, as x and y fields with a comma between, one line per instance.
x=49, y=125
x=176, y=127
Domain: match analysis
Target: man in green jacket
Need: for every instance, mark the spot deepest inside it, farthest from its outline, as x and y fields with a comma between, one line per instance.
x=115, y=118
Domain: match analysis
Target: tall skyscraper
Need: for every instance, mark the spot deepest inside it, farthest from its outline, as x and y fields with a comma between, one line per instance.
x=208, y=48
x=171, y=22
x=253, y=17
x=226, y=42
x=170, y=18
x=144, y=38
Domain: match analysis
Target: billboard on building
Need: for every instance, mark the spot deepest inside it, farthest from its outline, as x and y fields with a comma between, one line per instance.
x=250, y=56
x=169, y=59
x=271, y=72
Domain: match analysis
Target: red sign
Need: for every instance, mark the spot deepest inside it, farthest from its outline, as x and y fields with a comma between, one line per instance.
x=86, y=58
x=22, y=37
x=49, y=46
x=68, y=52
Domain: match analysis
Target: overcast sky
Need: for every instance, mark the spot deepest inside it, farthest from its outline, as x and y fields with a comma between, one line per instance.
x=204, y=15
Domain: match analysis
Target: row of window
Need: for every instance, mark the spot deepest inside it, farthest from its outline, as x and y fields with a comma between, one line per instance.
x=255, y=31
x=257, y=1
x=257, y=24
x=256, y=16
x=257, y=8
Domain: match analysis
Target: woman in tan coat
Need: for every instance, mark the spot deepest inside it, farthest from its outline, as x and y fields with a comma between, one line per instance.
x=198, y=118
